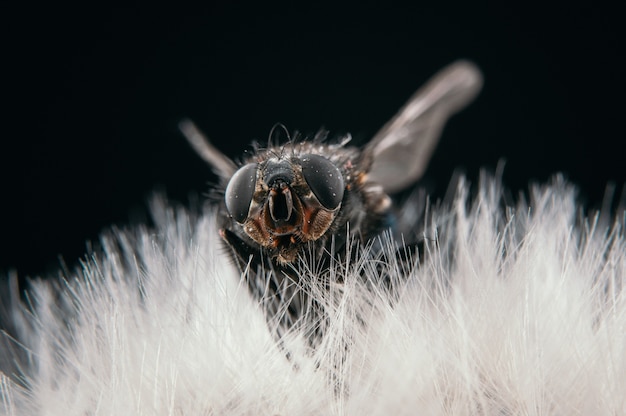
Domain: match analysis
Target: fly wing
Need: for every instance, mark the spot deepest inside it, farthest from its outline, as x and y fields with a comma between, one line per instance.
x=399, y=153
x=221, y=164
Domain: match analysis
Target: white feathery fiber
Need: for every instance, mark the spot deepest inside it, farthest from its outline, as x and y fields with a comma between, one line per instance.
x=510, y=311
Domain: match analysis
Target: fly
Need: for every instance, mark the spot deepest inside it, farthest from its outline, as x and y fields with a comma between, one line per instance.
x=286, y=199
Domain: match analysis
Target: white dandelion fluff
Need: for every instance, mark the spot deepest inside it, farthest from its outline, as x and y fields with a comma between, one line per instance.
x=509, y=310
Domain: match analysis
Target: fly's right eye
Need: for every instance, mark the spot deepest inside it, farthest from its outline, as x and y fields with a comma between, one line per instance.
x=239, y=192
x=324, y=179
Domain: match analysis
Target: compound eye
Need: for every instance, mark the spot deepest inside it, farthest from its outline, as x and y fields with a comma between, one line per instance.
x=239, y=191
x=324, y=179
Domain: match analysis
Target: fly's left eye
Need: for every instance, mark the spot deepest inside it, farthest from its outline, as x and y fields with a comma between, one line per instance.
x=324, y=179
x=239, y=191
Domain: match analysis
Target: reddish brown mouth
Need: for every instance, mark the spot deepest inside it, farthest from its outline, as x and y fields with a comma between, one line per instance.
x=286, y=221
x=280, y=204
x=283, y=212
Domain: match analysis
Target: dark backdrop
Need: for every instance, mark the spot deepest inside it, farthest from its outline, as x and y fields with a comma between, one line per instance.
x=91, y=97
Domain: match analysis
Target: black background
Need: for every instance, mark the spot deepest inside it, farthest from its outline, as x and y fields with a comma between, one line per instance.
x=91, y=97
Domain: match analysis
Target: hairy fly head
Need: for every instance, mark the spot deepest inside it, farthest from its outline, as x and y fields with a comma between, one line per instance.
x=285, y=200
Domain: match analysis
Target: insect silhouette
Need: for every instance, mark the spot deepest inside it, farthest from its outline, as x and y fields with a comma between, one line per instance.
x=313, y=196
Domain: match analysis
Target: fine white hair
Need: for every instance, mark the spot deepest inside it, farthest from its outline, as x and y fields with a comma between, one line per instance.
x=509, y=310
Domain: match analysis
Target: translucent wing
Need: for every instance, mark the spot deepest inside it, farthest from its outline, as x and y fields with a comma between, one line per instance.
x=221, y=164
x=399, y=153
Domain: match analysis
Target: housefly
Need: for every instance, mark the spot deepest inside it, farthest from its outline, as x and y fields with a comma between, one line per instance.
x=313, y=196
